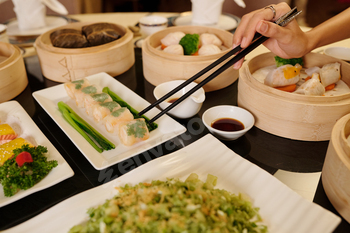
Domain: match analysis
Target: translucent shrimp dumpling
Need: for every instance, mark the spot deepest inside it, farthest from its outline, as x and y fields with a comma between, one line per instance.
x=312, y=86
x=172, y=38
x=283, y=76
x=174, y=49
x=330, y=73
x=209, y=49
x=208, y=38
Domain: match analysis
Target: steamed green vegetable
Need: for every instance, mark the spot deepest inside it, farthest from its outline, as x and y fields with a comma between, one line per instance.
x=14, y=177
x=85, y=129
x=293, y=61
x=174, y=206
x=133, y=111
x=190, y=43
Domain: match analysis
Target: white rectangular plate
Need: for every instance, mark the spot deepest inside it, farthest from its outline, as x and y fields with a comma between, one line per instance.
x=282, y=209
x=13, y=113
x=167, y=127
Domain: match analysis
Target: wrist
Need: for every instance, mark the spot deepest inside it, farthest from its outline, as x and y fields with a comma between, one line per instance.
x=312, y=41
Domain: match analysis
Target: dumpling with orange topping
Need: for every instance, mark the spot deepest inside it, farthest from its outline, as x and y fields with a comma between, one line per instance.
x=283, y=76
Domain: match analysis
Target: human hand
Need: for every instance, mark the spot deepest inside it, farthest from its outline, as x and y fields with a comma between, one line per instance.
x=287, y=42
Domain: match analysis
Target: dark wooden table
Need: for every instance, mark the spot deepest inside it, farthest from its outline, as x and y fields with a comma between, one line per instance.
x=268, y=151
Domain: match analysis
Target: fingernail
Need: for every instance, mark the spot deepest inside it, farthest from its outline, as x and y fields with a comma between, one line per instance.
x=236, y=66
x=262, y=26
x=243, y=42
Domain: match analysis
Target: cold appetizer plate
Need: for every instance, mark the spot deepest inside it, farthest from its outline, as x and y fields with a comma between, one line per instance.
x=282, y=209
x=167, y=127
x=13, y=114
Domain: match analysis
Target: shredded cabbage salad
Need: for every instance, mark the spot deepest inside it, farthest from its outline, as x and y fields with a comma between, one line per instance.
x=174, y=206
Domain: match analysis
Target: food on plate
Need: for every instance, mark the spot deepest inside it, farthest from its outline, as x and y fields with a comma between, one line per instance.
x=68, y=38
x=312, y=86
x=306, y=81
x=174, y=206
x=174, y=49
x=180, y=43
x=27, y=167
x=105, y=107
x=209, y=38
x=283, y=76
x=6, y=149
x=100, y=33
x=82, y=93
x=116, y=98
x=89, y=35
x=209, y=49
x=93, y=99
x=85, y=129
x=101, y=110
x=172, y=38
x=74, y=86
x=6, y=133
x=116, y=117
x=133, y=131
x=190, y=43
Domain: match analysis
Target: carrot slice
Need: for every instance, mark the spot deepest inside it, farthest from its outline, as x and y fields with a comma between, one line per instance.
x=288, y=88
x=163, y=46
x=195, y=54
x=330, y=87
x=307, y=78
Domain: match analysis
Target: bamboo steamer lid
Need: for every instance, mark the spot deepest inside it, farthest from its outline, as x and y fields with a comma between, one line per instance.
x=159, y=67
x=336, y=168
x=64, y=64
x=290, y=115
x=13, y=76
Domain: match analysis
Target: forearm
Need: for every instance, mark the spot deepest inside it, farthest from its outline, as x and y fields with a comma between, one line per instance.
x=330, y=31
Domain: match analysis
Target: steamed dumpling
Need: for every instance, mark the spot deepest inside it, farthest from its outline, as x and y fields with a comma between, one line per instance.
x=209, y=49
x=208, y=38
x=312, y=86
x=174, y=49
x=172, y=38
x=310, y=71
x=283, y=76
x=330, y=73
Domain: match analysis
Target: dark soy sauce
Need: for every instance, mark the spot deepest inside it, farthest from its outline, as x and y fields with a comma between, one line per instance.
x=227, y=124
x=172, y=100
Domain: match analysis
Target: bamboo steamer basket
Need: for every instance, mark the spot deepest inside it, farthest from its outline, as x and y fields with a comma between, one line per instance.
x=67, y=64
x=290, y=115
x=159, y=67
x=336, y=168
x=13, y=76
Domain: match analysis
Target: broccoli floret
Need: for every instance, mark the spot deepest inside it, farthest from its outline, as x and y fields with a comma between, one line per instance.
x=293, y=61
x=190, y=43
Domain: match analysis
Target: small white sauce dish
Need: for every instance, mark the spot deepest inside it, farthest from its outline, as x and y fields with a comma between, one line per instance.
x=228, y=111
x=188, y=107
x=342, y=53
x=152, y=23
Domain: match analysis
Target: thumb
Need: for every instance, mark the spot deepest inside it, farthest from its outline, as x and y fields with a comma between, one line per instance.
x=272, y=30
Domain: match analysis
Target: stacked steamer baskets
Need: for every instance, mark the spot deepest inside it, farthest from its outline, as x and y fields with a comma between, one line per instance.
x=69, y=64
x=13, y=76
x=336, y=168
x=291, y=115
x=160, y=67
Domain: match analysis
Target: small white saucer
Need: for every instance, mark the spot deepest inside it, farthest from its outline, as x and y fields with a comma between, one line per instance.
x=226, y=21
x=342, y=53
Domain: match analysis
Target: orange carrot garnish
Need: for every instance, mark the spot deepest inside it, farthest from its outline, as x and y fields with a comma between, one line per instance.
x=330, y=87
x=288, y=88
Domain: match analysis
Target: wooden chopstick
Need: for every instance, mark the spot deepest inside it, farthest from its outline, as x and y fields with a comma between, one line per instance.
x=228, y=64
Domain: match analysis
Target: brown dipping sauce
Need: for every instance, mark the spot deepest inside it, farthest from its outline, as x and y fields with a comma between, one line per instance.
x=172, y=100
x=227, y=124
